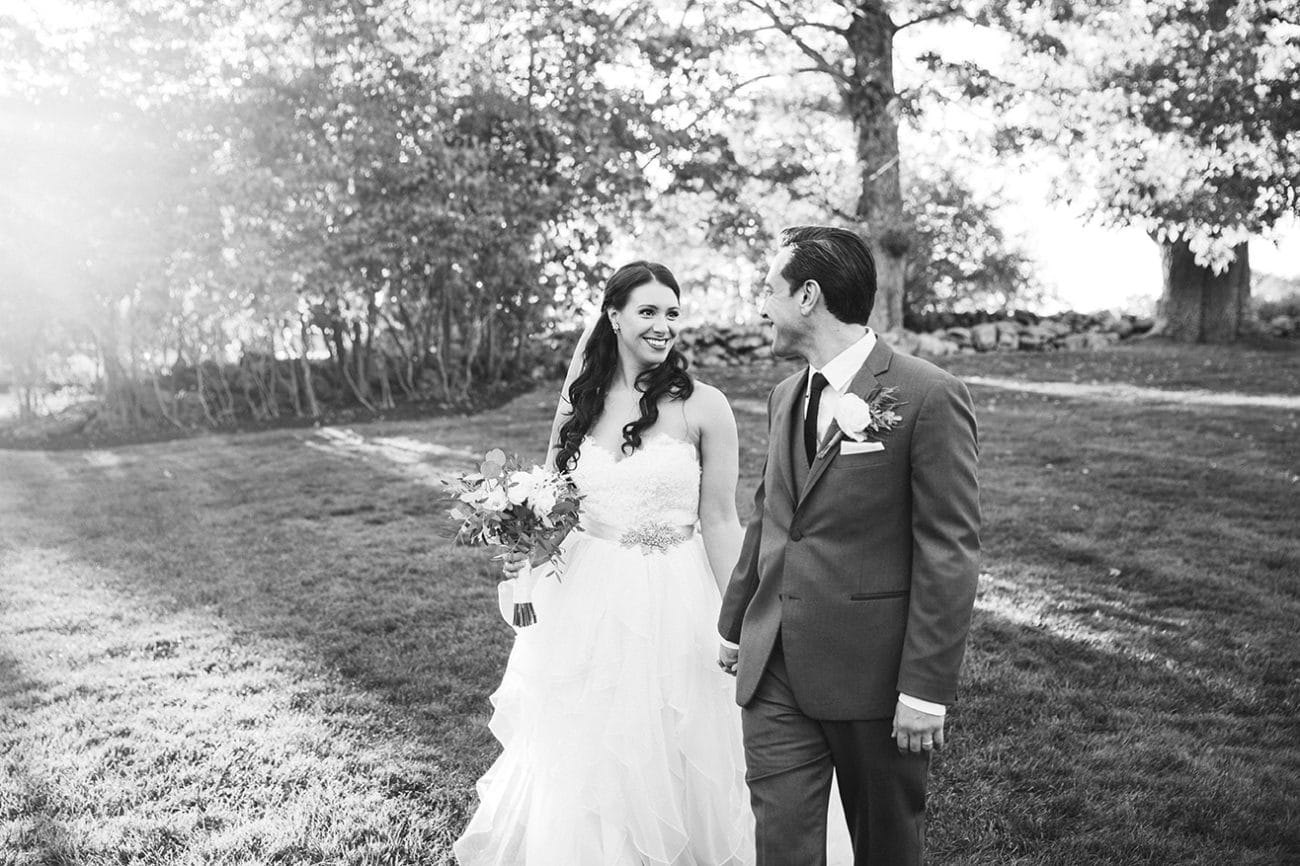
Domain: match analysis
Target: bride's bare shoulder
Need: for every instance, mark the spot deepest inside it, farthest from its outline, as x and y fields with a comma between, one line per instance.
x=708, y=406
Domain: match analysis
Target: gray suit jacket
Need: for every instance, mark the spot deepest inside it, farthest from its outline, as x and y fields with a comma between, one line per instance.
x=867, y=569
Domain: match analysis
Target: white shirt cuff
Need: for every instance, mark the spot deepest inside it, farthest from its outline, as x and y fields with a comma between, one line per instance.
x=922, y=706
x=728, y=644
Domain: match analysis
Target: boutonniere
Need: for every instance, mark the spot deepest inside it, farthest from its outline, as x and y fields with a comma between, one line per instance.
x=871, y=418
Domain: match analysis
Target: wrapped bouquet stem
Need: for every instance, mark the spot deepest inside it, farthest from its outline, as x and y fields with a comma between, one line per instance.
x=528, y=511
x=517, y=597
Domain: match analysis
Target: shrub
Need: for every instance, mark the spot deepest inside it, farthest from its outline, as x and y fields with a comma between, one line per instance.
x=1285, y=305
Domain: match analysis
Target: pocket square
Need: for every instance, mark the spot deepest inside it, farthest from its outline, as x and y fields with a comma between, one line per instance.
x=848, y=446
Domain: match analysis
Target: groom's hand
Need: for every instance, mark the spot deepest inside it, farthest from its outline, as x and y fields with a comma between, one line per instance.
x=727, y=658
x=915, y=731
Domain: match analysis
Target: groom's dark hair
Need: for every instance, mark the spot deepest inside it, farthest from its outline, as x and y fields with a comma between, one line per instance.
x=841, y=263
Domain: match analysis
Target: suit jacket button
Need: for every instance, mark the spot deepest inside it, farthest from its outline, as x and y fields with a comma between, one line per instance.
x=796, y=535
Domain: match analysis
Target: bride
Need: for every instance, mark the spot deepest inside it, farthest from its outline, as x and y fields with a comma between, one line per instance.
x=621, y=738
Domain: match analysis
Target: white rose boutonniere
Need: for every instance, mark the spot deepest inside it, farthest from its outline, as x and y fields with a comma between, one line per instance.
x=859, y=418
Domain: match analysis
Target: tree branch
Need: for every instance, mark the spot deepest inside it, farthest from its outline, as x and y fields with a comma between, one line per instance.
x=830, y=28
x=758, y=78
x=823, y=65
x=946, y=12
x=658, y=151
x=823, y=201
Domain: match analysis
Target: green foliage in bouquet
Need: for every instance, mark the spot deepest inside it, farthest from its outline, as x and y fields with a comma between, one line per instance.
x=525, y=510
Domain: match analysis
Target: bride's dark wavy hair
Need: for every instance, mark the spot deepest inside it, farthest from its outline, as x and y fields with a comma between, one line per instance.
x=600, y=364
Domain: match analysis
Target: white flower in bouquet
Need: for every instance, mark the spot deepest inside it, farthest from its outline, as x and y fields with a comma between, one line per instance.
x=497, y=499
x=521, y=487
x=526, y=511
x=526, y=485
x=544, y=500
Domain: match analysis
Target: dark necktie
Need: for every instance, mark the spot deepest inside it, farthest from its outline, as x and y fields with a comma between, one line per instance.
x=818, y=385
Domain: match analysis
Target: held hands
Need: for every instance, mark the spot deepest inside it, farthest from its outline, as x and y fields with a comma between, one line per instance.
x=727, y=658
x=916, y=731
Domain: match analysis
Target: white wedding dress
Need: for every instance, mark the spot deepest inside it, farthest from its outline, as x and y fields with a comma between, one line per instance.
x=621, y=738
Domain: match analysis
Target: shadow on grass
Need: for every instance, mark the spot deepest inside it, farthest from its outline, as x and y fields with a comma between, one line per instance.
x=1097, y=706
x=28, y=800
x=1077, y=749
x=343, y=558
x=168, y=734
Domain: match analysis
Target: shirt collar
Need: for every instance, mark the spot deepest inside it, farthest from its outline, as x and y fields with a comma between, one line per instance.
x=840, y=370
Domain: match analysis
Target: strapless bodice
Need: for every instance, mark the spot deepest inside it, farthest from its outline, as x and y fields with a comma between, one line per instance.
x=659, y=483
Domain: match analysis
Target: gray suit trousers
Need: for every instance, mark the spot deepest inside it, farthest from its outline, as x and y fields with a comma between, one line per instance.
x=790, y=758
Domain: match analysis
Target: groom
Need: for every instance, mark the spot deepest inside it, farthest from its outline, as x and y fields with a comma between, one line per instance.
x=846, y=618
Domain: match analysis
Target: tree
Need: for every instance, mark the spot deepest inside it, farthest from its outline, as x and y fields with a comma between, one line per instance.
x=412, y=187
x=809, y=125
x=960, y=259
x=1183, y=120
x=851, y=45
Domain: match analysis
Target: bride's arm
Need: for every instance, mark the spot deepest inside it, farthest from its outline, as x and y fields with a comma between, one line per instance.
x=720, y=469
x=563, y=408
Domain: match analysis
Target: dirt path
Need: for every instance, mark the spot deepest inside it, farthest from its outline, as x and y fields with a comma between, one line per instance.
x=1120, y=393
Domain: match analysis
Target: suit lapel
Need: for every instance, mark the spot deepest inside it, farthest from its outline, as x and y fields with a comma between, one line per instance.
x=786, y=422
x=862, y=385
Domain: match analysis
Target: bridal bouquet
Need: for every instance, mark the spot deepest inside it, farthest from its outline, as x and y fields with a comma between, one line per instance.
x=525, y=510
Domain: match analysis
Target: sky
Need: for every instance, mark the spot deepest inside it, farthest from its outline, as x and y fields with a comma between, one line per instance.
x=1095, y=267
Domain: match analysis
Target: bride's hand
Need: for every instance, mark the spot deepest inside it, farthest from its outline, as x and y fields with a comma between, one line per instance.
x=514, y=565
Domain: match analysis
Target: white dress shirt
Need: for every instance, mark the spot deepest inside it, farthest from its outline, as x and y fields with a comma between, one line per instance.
x=840, y=372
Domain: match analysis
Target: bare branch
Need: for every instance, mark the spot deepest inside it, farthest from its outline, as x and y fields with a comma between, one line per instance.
x=820, y=25
x=658, y=152
x=766, y=75
x=953, y=11
x=754, y=31
x=823, y=65
x=823, y=201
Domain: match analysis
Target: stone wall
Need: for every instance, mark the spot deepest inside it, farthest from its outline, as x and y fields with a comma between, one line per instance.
x=712, y=345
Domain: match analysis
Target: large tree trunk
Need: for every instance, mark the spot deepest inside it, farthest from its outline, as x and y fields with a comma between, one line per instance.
x=872, y=104
x=1198, y=305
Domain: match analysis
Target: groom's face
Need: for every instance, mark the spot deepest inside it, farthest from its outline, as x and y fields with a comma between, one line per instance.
x=782, y=310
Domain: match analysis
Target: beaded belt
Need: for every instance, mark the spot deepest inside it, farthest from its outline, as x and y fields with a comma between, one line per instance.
x=650, y=537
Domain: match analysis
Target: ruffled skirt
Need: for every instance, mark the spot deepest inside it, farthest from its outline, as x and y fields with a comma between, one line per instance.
x=621, y=738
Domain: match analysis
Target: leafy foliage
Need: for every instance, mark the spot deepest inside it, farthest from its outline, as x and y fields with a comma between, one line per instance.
x=528, y=510
x=1183, y=119
x=961, y=259
x=411, y=191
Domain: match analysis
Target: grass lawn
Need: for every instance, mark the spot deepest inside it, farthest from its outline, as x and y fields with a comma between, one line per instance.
x=259, y=649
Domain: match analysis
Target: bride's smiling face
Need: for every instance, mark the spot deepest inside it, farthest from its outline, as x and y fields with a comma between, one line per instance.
x=648, y=323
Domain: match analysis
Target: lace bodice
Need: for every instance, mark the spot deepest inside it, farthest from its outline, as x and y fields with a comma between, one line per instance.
x=657, y=483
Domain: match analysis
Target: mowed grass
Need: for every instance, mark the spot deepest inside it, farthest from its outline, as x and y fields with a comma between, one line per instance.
x=259, y=649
